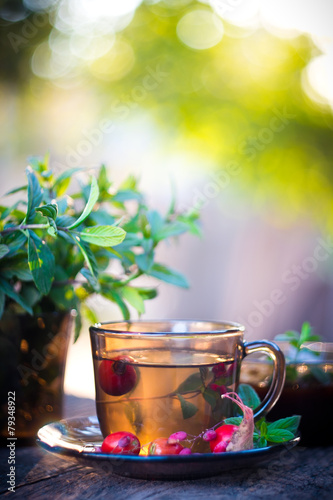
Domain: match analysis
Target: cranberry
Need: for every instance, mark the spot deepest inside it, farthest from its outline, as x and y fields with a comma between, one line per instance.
x=116, y=376
x=121, y=443
x=223, y=438
x=160, y=446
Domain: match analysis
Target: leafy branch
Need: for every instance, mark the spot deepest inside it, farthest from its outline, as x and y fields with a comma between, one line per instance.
x=56, y=248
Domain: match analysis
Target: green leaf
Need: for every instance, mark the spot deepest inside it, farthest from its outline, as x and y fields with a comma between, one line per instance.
x=115, y=297
x=104, y=236
x=102, y=218
x=2, y=302
x=15, y=241
x=16, y=190
x=262, y=442
x=306, y=331
x=168, y=230
x=17, y=266
x=211, y=397
x=192, y=383
x=8, y=290
x=279, y=435
x=144, y=261
x=3, y=250
x=50, y=210
x=62, y=182
x=249, y=396
x=188, y=409
x=156, y=222
x=86, y=252
x=168, y=275
x=41, y=263
x=233, y=420
x=126, y=195
x=147, y=293
x=78, y=323
x=263, y=429
x=89, y=314
x=290, y=423
x=92, y=280
x=35, y=194
x=133, y=297
x=93, y=197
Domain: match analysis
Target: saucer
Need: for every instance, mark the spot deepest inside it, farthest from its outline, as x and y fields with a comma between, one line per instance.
x=80, y=437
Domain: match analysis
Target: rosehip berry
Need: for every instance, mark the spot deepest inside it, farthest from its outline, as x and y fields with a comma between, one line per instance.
x=223, y=438
x=220, y=389
x=160, y=446
x=209, y=435
x=116, y=377
x=177, y=436
x=185, y=451
x=121, y=443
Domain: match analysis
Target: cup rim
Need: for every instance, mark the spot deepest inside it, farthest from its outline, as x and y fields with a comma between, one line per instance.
x=133, y=327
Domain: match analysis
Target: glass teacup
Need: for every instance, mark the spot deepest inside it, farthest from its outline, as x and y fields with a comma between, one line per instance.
x=154, y=378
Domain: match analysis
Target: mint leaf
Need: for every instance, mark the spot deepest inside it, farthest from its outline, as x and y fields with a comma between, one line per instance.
x=104, y=236
x=50, y=210
x=110, y=294
x=233, y=420
x=92, y=280
x=133, y=297
x=263, y=429
x=279, y=435
x=10, y=292
x=290, y=423
x=41, y=263
x=188, y=409
x=192, y=383
x=62, y=182
x=168, y=275
x=145, y=261
x=147, y=293
x=248, y=395
x=35, y=194
x=3, y=250
x=93, y=197
x=168, y=230
x=211, y=397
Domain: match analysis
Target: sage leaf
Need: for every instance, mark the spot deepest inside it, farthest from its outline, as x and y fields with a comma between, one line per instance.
x=41, y=263
x=188, y=409
x=104, y=236
x=290, y=423
x=35, y=194
x=6, y=288
x=192, y=383
x=3, y=250
x=248, y=395
x=168, y=275
x=93, y=197
x=133, y=297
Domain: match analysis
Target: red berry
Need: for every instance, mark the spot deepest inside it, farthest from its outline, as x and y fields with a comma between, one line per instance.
x=223, y=438
x=121, y=443
x=117, y=377
x=160, y=446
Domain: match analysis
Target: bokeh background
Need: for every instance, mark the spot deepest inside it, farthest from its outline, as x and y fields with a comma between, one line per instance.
x=227, y=102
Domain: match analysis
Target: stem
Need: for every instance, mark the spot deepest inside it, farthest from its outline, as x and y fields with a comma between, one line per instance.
x=170, y=395
x=23, y=227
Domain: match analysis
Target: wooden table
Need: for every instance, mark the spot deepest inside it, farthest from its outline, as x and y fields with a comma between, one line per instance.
x=305, y=473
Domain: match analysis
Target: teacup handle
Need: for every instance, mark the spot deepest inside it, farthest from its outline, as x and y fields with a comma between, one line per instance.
x=279, y=373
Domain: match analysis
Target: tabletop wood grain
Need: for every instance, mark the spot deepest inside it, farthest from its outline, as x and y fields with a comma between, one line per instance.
x=303, y=473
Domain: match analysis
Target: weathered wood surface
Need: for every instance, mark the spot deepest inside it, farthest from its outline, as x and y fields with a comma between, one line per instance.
x=305, y=473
